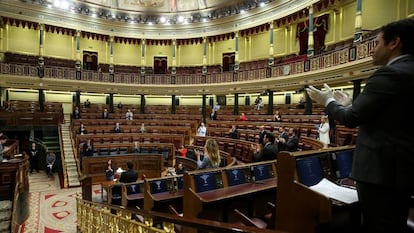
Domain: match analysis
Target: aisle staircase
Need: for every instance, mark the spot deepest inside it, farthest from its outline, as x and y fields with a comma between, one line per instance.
x=70, y=165
x=5, y=216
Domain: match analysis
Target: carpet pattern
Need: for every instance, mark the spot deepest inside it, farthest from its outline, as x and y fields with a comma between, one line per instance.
x=53, y=209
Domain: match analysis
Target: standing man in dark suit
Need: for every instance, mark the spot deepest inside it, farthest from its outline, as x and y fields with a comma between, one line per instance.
x=262, y=134
x=130, y=175
x=384, y=155
x=269, y=151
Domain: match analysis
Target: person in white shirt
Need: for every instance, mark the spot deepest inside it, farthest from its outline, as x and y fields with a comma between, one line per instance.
x=202, y=130
x=129, y=115
x=323, y=130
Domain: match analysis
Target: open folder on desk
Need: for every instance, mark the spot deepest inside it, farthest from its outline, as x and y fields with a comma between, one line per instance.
x=335, y=191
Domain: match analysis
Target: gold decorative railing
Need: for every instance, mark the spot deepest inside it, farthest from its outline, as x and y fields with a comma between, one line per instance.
x=93, y=218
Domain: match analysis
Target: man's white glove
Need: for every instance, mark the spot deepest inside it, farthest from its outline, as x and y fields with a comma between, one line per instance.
x=319, y=96
x=342, y=98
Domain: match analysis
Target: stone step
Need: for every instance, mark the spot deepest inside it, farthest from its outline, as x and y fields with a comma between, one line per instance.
x=5, y=226
x=5, y=205
x=5, y=215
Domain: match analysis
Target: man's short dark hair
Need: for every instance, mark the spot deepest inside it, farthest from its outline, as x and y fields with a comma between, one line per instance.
x=404, y=30
x=130, y=165
x=270, y=137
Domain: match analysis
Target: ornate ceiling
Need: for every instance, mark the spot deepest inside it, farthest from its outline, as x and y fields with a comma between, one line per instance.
x=153, y=19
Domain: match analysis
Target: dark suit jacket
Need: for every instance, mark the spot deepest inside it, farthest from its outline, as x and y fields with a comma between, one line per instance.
x=128, y=176
x=88, y=151
x=261, y=137
x=268, y=152
x=384, y=151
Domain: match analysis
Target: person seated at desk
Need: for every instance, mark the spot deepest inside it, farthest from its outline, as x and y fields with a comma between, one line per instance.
x=202, y=130
x=129, y=115
x=183, y=151
x=88, y=148
x=110, y=170
x=82, y=130
x=136, y=148
x=301, y=103
x=242, y=117
x=268, y=152
x=50, y=162
x=87, y=103
x=142, y=129
x=130, y=175
x=76, y=113
x=180, y=169
x=292, y=143
x=105, y=114
x=277, y=117
x=211, y=158
x=234, y=133
x=117, y=128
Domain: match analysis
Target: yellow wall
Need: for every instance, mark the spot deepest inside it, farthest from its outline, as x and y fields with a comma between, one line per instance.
x=98, y=46
x=135, y=99
x=347, y=26
x=280, y=41
x=260, y=46
x=371, y=10
x=221, y=47
x=93, y=98
x=158, y=51
x=24, y=95
x=58, y=45
x=22, y=40
x=127, y=54
x=407, y=8
x=190, y=55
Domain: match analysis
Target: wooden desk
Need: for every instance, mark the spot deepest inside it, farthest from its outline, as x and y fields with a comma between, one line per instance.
x=105, y=185
x=167, y=195
x=237, y=190
x=229, y=188
x=161, y=192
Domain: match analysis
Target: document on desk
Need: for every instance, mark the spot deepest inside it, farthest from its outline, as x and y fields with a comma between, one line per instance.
x=335, y=191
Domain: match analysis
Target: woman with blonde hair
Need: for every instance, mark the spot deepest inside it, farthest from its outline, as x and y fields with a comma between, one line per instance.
x=323, y=130
x=211, y=157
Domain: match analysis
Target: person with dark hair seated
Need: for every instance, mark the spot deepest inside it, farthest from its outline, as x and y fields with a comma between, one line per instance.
x=117, y=128
x=292, y=143
x=269, y=151
x=130, y=175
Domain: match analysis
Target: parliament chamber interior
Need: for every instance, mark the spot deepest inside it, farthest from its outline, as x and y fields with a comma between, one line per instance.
x=71, y=71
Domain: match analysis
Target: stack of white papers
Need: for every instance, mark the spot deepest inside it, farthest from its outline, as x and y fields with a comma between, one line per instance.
x=335, y=191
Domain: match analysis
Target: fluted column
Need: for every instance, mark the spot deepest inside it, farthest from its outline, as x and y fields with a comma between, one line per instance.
x=310, y=33
x=41, y=61
x=204, y=69
x=271, y=48
x=111, y=59
x=358, y=22
x=78, y=64
x=143, y=41
x=174, y=57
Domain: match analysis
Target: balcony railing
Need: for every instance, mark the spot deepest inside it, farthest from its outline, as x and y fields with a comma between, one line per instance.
x=290, y=67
